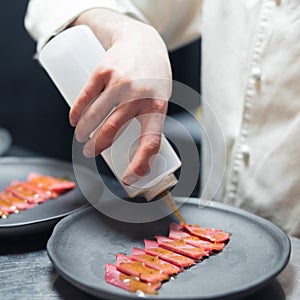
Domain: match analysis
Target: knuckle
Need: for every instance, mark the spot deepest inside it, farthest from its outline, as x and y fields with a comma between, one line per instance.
x=159, y=106
x=145, y=91
x=92, y=114
x=84, y=97
x=139, y=168
x=110, y=72
x=98, y=76
x=152, y=146
x=102, y=74
x=118, y=74
x=110, y=127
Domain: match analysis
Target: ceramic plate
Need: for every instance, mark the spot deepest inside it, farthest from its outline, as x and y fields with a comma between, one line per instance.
x=257, y=252
x=5, y=140
x=45, y=215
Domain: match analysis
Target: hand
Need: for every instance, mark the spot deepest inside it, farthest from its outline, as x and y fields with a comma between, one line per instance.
x=134, y=78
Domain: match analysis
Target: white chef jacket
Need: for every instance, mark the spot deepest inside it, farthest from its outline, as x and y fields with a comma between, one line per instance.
x=250, y=80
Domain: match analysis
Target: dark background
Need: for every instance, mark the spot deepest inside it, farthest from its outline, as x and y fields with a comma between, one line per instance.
x=31, y=108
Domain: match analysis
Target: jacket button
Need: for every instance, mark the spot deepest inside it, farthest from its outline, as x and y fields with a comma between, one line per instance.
x=256, y=73
x=245, y=150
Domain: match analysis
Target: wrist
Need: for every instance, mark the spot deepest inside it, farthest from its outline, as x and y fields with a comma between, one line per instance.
x=106, y=24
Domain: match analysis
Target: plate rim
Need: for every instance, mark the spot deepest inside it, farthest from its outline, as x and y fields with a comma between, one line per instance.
x=91, y=289
x=7, y=140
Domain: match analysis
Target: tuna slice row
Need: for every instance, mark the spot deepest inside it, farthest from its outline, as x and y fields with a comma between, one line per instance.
x=145, y=269
x=37, y=189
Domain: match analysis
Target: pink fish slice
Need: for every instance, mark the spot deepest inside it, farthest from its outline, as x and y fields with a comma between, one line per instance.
x=21, y=192
x=127, y=282
x=177, y=232
x=135, y=268
x=154, y=262
x=181, y=247
x=210, y=234
x=152, y=248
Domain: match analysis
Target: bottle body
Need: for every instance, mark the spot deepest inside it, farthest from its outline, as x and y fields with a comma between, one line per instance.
x=69, y=59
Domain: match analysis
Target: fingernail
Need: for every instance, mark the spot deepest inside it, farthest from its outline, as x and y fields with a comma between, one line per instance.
x=79, y=137
x=87, y=152
x=130, y=179
x=72, y=120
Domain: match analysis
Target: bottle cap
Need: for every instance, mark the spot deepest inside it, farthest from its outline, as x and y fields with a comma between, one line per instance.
x=165, y=184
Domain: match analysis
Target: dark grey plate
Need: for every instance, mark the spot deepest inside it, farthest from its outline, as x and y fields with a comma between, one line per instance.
x=5, y=140
x=84, y=242
x=45, y=215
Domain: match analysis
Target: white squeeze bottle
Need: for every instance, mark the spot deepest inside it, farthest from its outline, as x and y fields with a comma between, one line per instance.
x=69, y=58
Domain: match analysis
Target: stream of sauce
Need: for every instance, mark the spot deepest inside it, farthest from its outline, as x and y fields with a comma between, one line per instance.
x=172, y=205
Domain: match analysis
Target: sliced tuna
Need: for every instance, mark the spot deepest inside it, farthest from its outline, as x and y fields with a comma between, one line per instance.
x=58, y=185
x=177, y=232
x=210, y=234
x=21, y=192
x=19, y=203
x=6, y=206
x=130, y=283
x=44, y=192
x=154, y=262
x=152, y=248
x=135, y=268
x=181, y=247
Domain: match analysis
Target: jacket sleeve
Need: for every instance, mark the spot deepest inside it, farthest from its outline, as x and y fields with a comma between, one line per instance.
x=178, y=21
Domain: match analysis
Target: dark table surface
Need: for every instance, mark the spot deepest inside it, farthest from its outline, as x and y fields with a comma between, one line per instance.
x=27, y=273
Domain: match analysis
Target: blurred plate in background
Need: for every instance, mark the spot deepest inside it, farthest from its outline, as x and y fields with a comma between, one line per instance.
x=43, y=216
x=5, y=140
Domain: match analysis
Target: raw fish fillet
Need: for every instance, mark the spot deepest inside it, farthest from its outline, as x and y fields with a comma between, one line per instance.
x=181, y=247
x=48, y=182
x=177, y=232
x=152, y=248
x=127, y=282
x=154, y=262
x=21, y=192
x=135, y=268
x=210, y=234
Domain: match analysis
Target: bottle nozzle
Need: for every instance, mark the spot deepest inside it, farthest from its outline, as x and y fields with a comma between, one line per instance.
x=164, y=185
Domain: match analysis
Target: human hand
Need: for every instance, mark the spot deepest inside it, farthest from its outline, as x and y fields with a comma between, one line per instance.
x=134, y=78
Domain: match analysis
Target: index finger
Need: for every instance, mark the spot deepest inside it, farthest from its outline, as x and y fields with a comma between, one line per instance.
x=89, y=93
x=149, y=145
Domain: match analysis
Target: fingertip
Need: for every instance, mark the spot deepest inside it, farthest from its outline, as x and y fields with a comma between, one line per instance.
x=134, y=172
x=72, y=122
x=72, y=119
x=87, y=152
x=79, y=138
x=130, y=179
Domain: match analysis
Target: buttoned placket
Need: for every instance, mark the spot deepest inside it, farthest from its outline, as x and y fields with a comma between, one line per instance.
x=242, y=154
